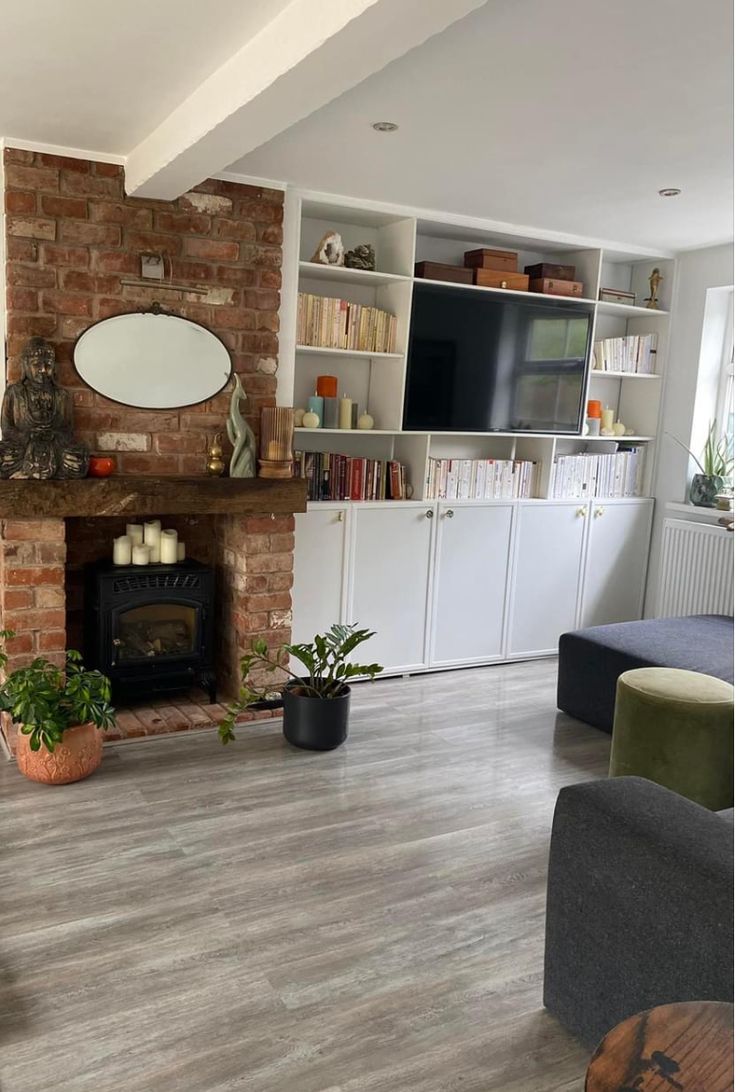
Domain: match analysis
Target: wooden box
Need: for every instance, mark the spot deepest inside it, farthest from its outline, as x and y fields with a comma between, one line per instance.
x=500, y=278
x=439, y=271
x=549, y=286
x=615, y=295
x=546, y=270
x=492, y=259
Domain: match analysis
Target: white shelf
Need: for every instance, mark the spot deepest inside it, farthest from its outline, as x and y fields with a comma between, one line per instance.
x=350, y=431
x=318, y=350
x=597, y=373
x=341, y=274
x=627, y=310
x=538, y=296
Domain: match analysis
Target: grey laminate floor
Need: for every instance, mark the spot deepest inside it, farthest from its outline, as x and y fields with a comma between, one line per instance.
x=201, y=919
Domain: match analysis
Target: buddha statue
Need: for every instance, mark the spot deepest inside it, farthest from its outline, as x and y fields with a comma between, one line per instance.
x=36, y=420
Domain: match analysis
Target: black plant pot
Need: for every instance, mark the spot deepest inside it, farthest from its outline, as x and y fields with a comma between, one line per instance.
x=704, y=489
x=316, y=724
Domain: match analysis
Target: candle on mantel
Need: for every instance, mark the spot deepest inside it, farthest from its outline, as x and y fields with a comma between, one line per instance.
x=169, y=542
x=134, y=531
x=141, y=555
x=152, y=539
x=181, y=552
x=122, y=550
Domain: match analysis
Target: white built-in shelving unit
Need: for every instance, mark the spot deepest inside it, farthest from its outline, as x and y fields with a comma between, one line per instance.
x=455, y=583
x=377, y=380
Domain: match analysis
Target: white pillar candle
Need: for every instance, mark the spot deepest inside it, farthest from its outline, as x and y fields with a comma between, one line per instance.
x=134, y=531
x=345, y=419
x=181, y=552
x=152, y=538
x=122, y=550
x=141, y=555
x=607, y=419
x=169, y=540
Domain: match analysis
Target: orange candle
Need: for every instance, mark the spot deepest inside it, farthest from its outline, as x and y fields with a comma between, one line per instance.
x=594, y=408
x=327, y=386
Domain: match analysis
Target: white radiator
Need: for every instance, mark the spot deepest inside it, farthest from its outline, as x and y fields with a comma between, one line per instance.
x=697, y=569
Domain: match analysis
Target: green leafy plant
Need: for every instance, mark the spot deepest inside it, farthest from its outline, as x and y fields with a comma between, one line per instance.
x=717, y=459
x=44, y=700
x=325, y=660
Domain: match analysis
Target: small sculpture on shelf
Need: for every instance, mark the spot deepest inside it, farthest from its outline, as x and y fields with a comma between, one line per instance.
x=215, y=461
x=330, y=250
x=362, y=256
x=241, y=436
x=655, y=279
x=37, y=422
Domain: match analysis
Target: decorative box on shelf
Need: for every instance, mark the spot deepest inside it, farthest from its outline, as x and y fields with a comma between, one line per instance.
x=550, y=286
x=500, y=278
x=440, y=271
x=615, y=295
x=548, y=269
x=484, y=258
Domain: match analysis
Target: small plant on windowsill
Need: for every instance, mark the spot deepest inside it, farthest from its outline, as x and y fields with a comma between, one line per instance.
x=316, y=704
x=715, y=465
x=59, y=714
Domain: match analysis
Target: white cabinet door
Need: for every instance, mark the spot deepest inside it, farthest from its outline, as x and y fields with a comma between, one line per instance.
x=470, y=581
x=615, y=568
x=320, y=560
x=546, y=574
x=392, y=546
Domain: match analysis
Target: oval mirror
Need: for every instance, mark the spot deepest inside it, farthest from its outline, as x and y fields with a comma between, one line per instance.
x=152, y=360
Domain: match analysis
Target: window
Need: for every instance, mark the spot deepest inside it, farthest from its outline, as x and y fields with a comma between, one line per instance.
x=724, y=399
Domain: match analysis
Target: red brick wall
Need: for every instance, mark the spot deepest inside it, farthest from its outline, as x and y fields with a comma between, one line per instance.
x=72, y=235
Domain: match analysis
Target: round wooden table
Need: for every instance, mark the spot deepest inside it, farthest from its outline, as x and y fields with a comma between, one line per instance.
x=684, y=1047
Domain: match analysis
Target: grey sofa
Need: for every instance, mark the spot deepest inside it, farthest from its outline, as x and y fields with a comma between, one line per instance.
x=591, y=660
x=639, y=904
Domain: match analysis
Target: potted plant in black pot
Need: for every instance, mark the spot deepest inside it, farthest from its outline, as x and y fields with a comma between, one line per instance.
x=59, y=714
x=317, y=703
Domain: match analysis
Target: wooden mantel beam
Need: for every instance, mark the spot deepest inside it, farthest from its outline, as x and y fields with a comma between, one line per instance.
x=311, y=52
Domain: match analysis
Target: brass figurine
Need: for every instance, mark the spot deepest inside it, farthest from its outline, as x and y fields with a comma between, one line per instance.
x=655, y=279
x=215, y=462
x=36, y=421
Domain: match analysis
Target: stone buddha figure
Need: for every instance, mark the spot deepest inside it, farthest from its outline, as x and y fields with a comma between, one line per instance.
x=36, y=420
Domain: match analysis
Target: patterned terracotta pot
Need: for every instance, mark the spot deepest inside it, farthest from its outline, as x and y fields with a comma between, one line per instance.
x=76, y=757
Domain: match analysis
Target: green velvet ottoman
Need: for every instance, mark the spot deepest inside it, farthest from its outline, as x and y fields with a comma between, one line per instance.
x=676, y=728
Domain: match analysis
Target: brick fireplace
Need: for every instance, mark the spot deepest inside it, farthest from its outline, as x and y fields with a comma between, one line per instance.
x=72, y=240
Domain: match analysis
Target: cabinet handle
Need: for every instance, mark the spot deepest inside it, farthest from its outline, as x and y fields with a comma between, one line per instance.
x=429, y=514
x=340, y=517
x=450, y=513
x=599, y=512
x=581, y=513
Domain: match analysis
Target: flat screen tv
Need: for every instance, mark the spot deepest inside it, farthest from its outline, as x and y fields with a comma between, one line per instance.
x=480, y=362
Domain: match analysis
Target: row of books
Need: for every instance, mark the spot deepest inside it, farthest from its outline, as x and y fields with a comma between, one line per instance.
x=342, y=477
x=331, y=323
x=636, y=354
x=481, y=479
x=616, y=474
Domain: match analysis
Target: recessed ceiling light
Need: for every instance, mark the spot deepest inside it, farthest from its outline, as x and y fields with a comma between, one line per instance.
x=385, y=126
x=669, y=191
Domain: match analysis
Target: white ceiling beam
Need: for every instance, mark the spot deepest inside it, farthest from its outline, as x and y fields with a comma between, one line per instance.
x=310, y=53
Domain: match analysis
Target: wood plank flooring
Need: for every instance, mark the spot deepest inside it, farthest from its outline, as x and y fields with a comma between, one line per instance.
x=204, y=919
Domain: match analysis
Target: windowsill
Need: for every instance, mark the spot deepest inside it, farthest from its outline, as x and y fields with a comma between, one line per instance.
x=692, y=512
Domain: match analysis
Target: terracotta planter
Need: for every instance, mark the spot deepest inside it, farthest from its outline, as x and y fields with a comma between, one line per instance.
x=76, y=757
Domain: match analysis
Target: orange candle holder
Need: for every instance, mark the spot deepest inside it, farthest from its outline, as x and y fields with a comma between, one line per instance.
x=594, y=408
x=327, y=386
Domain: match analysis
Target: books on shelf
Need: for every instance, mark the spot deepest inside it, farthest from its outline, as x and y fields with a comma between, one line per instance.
x=614, y=474
x=636, y=354
x=326, y=322
x=334, y=477
x=481, y=479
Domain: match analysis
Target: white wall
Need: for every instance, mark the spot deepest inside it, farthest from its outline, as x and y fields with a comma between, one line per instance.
x=697, y=271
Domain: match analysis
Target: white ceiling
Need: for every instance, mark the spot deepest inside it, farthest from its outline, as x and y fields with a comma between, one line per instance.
x=100, y=74
x=559, y=114
x=567, y=115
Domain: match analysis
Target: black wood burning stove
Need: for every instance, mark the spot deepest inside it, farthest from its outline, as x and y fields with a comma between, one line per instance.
x=150, y=628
